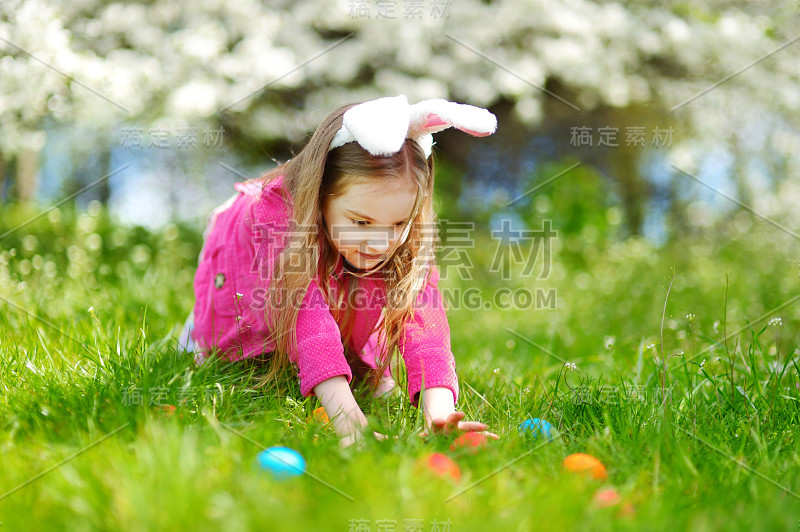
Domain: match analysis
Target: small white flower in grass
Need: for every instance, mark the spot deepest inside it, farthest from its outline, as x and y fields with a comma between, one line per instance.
x=570, y=366
x=716, y=327
x=775, y=322
x=496, y=371
x=608, y=342
x=90, y=309
x=651, y=347
x=703, y=363
x=691, y=318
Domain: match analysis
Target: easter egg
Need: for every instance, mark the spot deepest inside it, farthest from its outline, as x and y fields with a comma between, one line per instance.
x=282, y=462
x=536, y=428
x=626, y=510
x=471, y=441
x=319, y=415
x=605, y=498
x=585, y=463
x=442, y=465
x=166, y=410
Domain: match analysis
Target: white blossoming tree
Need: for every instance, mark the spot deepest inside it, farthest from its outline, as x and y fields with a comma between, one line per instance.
x=260, y=69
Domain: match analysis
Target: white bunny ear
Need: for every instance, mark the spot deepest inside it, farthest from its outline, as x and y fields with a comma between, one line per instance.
x=379, y=126
x=426, y=143
x=431, y=116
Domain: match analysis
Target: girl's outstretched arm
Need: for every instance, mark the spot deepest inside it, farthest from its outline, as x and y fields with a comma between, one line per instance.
x=339, y=403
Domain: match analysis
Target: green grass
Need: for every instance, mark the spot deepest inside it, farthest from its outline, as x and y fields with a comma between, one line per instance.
x=708, y=457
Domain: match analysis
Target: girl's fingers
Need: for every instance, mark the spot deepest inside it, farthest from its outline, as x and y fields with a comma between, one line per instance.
x=455, y=417
x=492, y=435
x=453, y=423
x=472, y=426
x=449, y=424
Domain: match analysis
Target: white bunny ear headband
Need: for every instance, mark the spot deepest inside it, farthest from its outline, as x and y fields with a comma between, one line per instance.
x=381, y=126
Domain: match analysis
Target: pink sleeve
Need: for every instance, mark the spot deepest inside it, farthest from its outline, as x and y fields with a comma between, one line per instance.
x=426, y=344
x=320, y=353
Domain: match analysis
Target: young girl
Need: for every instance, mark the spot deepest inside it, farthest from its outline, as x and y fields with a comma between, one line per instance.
x=325, y=263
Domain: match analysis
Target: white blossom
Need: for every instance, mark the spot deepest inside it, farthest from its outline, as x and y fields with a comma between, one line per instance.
x=608, y=342
x=591, y=47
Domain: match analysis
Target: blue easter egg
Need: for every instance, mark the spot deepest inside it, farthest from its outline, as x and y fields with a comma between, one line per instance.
x=537, y=427
x=282, y=462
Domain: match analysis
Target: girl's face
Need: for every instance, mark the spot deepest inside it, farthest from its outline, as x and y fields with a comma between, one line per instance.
x=369, y=222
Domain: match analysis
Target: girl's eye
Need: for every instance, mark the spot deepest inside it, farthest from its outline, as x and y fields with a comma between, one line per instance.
x=364, y=223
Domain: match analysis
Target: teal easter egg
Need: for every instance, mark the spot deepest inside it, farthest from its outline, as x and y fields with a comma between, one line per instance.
x=282, y=462
x=537, y=428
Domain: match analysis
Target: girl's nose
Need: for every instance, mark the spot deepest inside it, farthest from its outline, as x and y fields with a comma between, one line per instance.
x=377, y=247
x=380, y=242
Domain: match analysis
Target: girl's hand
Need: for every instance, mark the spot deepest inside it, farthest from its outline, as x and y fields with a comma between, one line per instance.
x=351, y=439
x=453, y=424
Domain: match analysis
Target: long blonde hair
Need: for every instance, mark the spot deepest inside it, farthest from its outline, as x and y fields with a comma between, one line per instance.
x=311, y=178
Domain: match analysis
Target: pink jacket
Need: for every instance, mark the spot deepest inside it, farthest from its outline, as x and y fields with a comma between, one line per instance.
x=243, y=237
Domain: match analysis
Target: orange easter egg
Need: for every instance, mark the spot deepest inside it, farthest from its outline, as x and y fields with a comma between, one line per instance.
x=166, y=411
x=585, y=463
x=472, y=441
x=442, y=466
x=319, y=415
